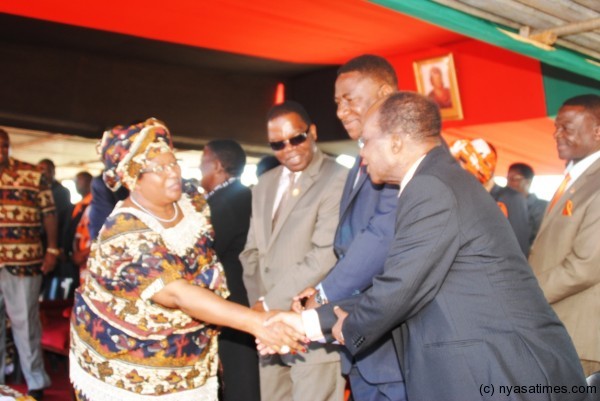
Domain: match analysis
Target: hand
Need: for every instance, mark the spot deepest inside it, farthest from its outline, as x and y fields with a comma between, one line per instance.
x=49, y=263
x=278, y=337
x=337, y=327
x=291, y=319
x=259, y=307
x=297, y=302
x=311, y=302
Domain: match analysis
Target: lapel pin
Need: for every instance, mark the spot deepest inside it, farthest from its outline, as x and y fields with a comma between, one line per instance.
x=295, y=191
x=568, y=209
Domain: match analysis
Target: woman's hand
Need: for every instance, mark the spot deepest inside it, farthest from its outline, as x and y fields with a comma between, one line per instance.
x=279, y=336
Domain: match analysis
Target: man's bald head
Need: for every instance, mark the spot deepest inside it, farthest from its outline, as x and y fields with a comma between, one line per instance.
x=410, y=114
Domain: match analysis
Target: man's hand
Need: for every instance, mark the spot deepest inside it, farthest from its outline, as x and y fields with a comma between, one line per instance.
x=311, y=302
x=301, y=301
x=276, y=336
x=49, y=263
x=291, y=319
x=259, y=306
x=337, y=327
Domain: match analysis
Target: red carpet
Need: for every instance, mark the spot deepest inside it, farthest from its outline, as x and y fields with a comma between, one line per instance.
x=58, y=369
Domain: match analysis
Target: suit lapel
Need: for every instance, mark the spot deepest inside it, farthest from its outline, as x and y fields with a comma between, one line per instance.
x=348, y=186
x=307, y=179
x=351, y=190
x=579, y=184
x=272, y=183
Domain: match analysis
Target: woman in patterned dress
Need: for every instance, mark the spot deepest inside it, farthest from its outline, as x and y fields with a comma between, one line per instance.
x=145, y=321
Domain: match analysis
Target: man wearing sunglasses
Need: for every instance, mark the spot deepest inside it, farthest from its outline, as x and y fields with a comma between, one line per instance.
x=365, y=231
x=295, y=210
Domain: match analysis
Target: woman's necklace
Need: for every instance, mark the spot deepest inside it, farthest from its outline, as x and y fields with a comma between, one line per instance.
x=143, y=209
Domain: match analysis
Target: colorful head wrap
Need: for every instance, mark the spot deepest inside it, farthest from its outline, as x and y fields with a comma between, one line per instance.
x=125, y=150
x=476, y=156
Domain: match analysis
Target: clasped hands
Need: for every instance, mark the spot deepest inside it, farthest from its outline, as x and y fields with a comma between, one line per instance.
x=292, y=324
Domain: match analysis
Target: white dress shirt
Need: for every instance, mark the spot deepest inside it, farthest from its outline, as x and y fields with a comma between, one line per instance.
x=575, y=170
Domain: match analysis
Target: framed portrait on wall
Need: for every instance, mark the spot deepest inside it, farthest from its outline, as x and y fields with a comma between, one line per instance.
x=436, y=79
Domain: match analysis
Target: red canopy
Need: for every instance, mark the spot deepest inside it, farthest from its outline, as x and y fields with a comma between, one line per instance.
x=502, y=92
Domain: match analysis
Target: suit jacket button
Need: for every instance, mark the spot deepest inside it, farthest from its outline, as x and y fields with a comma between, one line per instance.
x=267, y=269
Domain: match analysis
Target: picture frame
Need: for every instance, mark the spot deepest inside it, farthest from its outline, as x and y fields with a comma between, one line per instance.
x=436, y=79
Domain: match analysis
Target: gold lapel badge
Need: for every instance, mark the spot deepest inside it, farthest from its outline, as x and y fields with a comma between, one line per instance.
x=568, y=209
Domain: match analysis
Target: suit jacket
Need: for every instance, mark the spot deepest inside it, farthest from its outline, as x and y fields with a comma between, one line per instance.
x=518, y=215
x=565, y=258
x=230, y=208
x=362, y=241
x=297, y=252
x=103, y=203
x=457, y=293
x=64, y=207
x=536, y=209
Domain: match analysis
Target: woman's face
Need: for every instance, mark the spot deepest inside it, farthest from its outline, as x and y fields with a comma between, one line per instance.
x=160, y=181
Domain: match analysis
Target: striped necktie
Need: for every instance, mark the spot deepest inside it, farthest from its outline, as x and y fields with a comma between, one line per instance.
x=559, y=192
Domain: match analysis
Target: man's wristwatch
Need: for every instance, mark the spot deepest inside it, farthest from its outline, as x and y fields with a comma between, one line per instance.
x=53, y=251
x=319, y=299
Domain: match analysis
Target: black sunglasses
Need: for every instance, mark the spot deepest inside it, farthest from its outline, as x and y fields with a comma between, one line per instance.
x=294, y=141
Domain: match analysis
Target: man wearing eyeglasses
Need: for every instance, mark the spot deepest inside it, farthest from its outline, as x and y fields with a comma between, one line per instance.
x=290, y=247
x=365, y=231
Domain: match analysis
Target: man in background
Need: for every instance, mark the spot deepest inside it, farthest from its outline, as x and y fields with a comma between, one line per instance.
x=62, y=200
x=295, y=210
x=26, y=206
x=103, y=201
x=565, y=256
x=365, y=230
x=519, y=178
x=77, y=239
x=230, y=202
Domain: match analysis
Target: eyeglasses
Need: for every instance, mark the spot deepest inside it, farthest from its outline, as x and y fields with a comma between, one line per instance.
x=162, y=168
x=293, y=141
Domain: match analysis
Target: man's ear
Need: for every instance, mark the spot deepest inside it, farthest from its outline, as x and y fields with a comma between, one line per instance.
x=597, y=132
x=218, y=166
x=385, y=90
x=312, y=131
x=396, y=143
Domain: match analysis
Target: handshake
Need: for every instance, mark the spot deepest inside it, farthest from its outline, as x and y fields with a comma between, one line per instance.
x=285, y=332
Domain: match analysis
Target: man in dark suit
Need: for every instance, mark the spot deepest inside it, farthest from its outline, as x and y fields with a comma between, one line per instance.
x=365, y=230
x=230, y=202
x=519, y=178
x=464, y=308
x=103, y=203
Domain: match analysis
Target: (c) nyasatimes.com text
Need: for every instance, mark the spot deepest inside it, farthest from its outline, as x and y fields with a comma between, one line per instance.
x=491, y=389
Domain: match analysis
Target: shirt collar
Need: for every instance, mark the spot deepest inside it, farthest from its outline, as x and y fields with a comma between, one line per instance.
x=409, y=175
x=287, y=173
x=575, y=170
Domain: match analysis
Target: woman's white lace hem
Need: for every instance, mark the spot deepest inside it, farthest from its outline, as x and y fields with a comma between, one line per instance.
x=97, y=390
